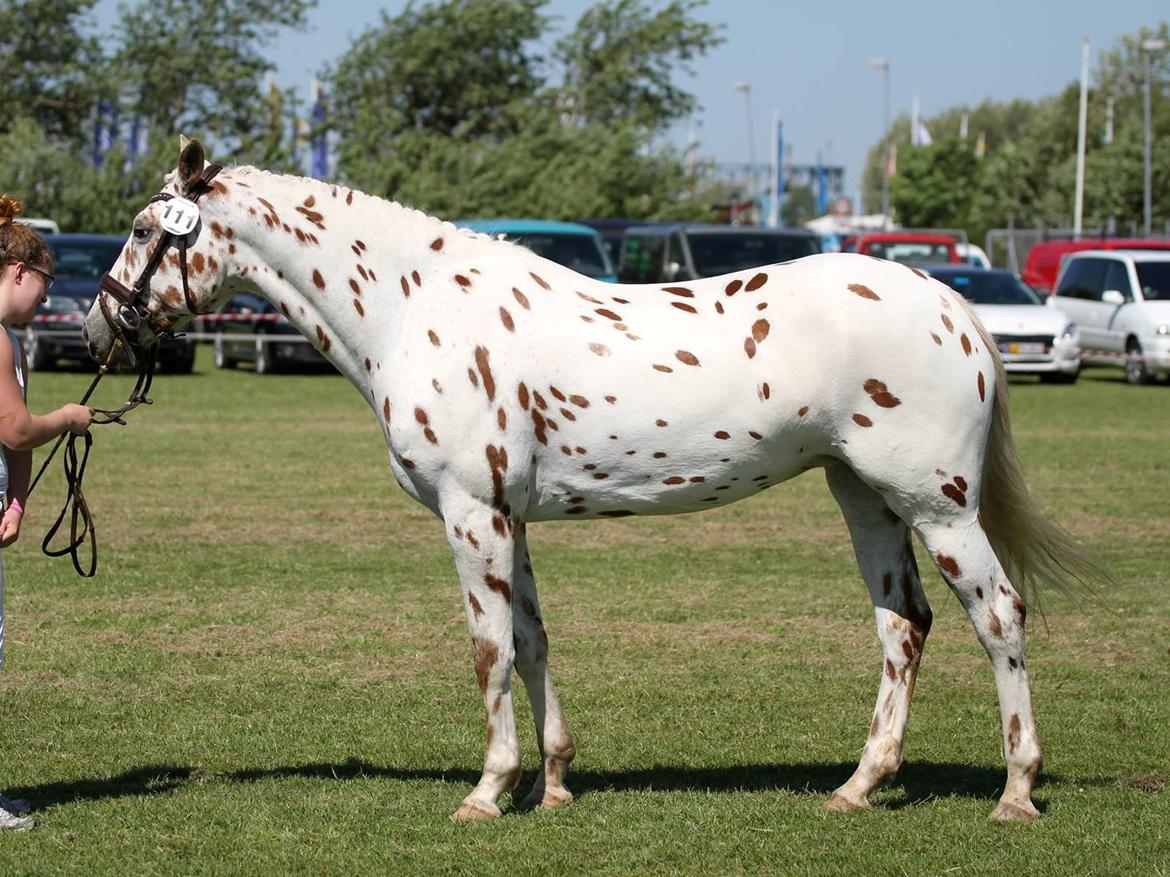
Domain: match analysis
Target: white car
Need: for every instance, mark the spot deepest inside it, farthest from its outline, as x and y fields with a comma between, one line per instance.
x=1032, y=338
x=1121, y=301
x=973, y=255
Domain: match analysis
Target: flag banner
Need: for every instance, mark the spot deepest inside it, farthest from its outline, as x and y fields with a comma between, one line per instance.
x=319, y=141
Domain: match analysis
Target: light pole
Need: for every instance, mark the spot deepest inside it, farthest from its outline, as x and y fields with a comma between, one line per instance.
x=1148, y=48
x=883, y=65
x=746, y=88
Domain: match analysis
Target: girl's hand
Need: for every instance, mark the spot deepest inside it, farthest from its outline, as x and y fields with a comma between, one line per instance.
x=10, y=526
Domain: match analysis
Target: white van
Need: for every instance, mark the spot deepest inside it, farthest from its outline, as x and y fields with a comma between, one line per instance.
x=1120, y=300
x=44, y=226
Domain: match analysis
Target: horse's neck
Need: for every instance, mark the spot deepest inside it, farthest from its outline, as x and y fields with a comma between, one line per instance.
x=337, y=263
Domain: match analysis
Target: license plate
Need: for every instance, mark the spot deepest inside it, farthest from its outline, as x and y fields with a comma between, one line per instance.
x=1023, y=347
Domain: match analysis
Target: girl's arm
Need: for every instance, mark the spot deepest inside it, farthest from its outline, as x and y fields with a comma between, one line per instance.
x=21, y=430
x=19, y=468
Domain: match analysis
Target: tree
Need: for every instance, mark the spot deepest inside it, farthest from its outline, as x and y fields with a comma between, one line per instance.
x=800, y=205
x=481, y=133
x=622, y=58
x=53, y=69
x=199, y=67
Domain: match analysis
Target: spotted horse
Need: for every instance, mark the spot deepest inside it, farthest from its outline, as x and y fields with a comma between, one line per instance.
x=512, y=390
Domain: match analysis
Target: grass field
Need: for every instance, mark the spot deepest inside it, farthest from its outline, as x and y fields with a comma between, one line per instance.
x=271, y=672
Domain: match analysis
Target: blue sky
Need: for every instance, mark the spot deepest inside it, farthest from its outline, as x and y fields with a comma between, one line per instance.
x=809, y=61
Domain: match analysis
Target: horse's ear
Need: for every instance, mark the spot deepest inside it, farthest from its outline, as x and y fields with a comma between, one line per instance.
x=191, y=160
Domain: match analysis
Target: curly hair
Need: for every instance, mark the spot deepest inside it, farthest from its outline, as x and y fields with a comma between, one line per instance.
x=18, y=242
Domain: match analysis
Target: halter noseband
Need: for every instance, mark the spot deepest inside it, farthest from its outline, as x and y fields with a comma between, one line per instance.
x=132, y=312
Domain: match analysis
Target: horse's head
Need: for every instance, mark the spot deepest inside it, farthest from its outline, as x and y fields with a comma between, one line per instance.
x=168, y=271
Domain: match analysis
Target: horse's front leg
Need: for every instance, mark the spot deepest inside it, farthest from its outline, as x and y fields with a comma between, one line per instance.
x=482, y=542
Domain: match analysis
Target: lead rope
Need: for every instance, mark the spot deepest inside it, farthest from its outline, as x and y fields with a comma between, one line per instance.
x=81, y=525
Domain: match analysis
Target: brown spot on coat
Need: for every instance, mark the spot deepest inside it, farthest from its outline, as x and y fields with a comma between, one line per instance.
x=318, y=280
x=437, y=244
x=749, y=347
x=539, y=280
x=499, y=586
x=522, y=298
x=966, y=342
x=357, y=306
x=434, y=337
x=474, y=604
x=733, y=287
x=949, y=565
x=1013, y=732
x=679, y=290
x=459, y=278
x=608, y=314
x=486, y=654
x=386, y=409
x=522, y=394
x=880, y=394
x=955, y=494
x=686, y=357
x=756, y=282
x=862, y=420
x=760, y=330
x=485, y=371
x=982, y=388
x=946, y=321
x=323, y=339
x=506, y=319
x=864, y=291
x=683, y=306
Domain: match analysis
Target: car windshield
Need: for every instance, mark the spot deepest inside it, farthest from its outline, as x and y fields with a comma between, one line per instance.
x=585, y=254
x=1154, y=279
x=84, y=260
x=990, y=288
x=722, y=253
x=909, y=251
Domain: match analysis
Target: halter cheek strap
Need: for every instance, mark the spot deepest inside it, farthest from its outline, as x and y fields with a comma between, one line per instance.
x=133, y=311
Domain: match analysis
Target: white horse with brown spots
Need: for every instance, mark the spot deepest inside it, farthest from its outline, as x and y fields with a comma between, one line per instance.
x=511, y=390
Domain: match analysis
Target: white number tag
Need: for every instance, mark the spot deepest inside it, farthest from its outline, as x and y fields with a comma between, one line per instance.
x=180, y=216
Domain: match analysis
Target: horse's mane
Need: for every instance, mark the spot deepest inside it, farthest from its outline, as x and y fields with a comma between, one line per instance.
x=322, y=189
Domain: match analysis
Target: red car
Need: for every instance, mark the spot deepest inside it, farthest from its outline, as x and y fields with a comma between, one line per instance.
x=1044, y=258
x=911, y=247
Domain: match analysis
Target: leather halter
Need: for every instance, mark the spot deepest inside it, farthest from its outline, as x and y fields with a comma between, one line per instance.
x=133, y=311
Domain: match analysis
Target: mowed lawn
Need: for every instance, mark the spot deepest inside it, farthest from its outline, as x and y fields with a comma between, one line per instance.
x=271, y=671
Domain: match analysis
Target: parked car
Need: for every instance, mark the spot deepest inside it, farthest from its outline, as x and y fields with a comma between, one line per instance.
x=40, y=225
x=1044, y=259
x=613, y=232
x=570, y=244
x=79, y=262
x=670, y=253
x=908, y=247
x=252, y=329
x=972, y=255
x=1121, y=301
x=1032, y=338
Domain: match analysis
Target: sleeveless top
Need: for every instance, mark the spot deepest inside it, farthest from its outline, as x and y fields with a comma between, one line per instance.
x=16, y=357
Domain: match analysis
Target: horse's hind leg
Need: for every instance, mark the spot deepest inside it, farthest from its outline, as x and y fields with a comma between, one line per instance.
x=552, y=733
x=885, y=555
x=966, y=560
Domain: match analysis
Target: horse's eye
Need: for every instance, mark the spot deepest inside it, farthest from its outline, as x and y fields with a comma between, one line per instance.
x=141, y=233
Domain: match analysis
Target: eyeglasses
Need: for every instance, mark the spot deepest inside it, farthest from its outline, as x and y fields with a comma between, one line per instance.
x=49, y=278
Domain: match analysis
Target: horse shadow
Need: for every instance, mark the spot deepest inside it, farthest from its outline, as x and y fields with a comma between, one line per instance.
x=918, y=781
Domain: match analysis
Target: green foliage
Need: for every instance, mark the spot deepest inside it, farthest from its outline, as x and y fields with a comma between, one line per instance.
x=197, y=67
x=800, y=205
x=53, y=182
x=482, y=133
x=53, y=71
x=621, y=60
x=1028, y=173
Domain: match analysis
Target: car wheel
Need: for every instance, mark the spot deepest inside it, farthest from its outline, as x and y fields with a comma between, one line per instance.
x=1136, y=371
x=222, y=360
x=39, y=359
x=265, y=358
x=1060, y=377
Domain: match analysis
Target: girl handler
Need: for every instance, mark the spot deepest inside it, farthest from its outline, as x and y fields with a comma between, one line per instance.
x=25, y=277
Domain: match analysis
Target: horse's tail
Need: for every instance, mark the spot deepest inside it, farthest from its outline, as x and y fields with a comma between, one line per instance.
x=1032, y=550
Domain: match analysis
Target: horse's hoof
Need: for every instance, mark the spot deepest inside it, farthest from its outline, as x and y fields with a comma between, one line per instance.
x=838, y=803
x=474, y=811
x=1005, y=811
